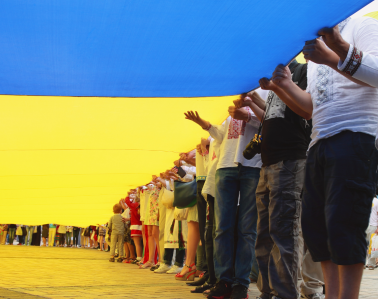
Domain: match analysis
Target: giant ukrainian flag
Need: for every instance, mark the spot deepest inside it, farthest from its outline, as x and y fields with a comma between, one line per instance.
x=93, y=92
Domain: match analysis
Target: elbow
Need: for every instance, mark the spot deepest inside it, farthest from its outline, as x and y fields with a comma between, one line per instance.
x=307, y=116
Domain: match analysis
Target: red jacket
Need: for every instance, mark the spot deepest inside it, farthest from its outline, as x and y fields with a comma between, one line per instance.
x=134, y=212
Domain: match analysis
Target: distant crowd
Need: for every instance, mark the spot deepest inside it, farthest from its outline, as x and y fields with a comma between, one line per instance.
x=54, y=235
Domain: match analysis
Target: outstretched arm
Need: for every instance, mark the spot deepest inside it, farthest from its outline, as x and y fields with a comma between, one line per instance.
x=267, y=84
x=298, y=97
x=215, y=132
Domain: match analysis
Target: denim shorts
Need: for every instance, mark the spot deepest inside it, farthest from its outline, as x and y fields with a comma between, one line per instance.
x=340, y=183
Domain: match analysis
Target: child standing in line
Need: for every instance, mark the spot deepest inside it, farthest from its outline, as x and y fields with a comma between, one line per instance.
x=117, y=227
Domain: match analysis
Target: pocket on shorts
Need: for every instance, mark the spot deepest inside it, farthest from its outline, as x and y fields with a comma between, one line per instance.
x=362, y=195
x=364, y=146
x=290, y=211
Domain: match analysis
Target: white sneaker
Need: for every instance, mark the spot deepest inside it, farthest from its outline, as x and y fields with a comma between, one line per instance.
x=162, y=269
x=174, y=270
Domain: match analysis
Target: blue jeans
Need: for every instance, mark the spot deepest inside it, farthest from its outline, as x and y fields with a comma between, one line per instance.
x=29, y=235
x=229, y=182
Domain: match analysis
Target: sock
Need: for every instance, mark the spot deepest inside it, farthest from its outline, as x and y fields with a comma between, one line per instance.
x=139, y=258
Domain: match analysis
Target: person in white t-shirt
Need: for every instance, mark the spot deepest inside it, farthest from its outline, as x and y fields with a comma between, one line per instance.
x=340, y=179
x=372, y=229
x=234, y=176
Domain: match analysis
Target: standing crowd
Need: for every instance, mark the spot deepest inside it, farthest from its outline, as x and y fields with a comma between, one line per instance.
x=53, y=235
x=280, y=194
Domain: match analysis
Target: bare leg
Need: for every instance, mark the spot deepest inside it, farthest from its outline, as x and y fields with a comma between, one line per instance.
x=44, y=241
x=127, y=253
x=350, y=280
x=132, y=251
x=138, y=245
x=193, y=240
x=101, y=242
x=144, y=235
x=155, y=234
x=331, y=279
x=151, y=245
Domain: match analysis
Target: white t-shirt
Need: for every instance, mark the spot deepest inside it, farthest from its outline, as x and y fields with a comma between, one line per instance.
x=338, y=103
x=374, y=213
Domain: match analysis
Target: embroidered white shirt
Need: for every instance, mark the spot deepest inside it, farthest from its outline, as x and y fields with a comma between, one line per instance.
x=201, y=166
x=233, y=136
x=338, y=103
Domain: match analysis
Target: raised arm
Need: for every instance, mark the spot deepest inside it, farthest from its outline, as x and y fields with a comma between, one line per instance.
x=131, y=205
x=248, y=100
x=267, y=84
x=358, y=65
x=215, y=131
x=297, y=96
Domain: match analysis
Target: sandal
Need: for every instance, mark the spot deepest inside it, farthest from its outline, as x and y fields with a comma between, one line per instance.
x=126, y=260
x=119, y=260
x=187, y=276
x=200, y=273
x=153, y=268
x=370, y=267
x=111, y=259
x=202, y=288
x=136, y=261
x=146, y=265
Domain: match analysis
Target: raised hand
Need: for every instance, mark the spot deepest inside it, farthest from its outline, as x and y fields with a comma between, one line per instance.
x=282, y=76
x=267, y=84
x=317, y=51
x=205, y=143
x=333, y=39
x=240, y=114
x=194, y=116
x=243, y=101
x=198, y=148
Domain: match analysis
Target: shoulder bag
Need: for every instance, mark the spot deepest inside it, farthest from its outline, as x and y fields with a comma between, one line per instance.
x=185, y=194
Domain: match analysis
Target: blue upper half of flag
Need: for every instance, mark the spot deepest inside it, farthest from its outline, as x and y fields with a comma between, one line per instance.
x=154, y=48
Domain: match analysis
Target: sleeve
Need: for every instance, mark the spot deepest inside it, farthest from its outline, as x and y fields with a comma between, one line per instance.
x=168, y=186
x=217, y=131
x=131, y=205
x=189, y=169
x=362, y=58
x=252, y=118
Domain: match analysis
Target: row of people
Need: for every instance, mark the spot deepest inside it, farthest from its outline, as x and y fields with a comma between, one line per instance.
x=54, y=235
x=302, y=207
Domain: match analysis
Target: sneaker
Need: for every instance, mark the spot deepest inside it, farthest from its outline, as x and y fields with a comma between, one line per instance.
x=221, y=290
x=174, y=270
x=239, y=292
x=162, y=269
x=314, y=296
